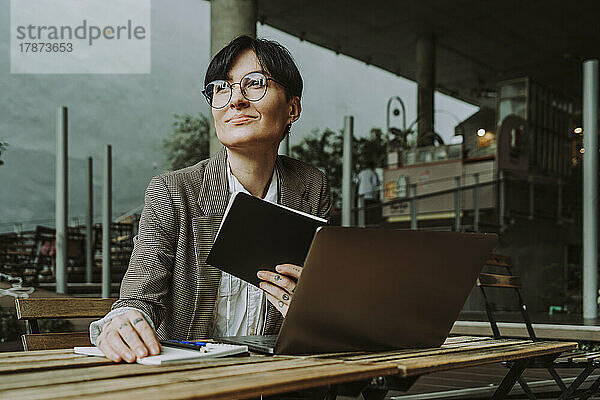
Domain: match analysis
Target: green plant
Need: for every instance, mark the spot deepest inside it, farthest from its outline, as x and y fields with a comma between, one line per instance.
x=324, y=150
x=188, y=142
x=3, y=146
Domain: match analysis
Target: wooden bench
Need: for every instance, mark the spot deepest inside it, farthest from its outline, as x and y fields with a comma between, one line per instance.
x=587, y=361
x=31, y=310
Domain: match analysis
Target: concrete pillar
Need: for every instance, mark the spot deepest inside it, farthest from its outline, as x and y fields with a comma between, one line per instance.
x=413, y=206
x=457, y=203
x=228, y=20
x=89, y=225
x=62, y=197
x=106, y=222
x=347, y=171
x=590, y=189
x=426, y=87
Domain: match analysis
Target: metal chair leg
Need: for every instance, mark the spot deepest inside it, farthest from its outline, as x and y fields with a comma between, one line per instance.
x=526, y=389
x=577, y=382
x=510, y=379
x=593, y=389
x=557, y=379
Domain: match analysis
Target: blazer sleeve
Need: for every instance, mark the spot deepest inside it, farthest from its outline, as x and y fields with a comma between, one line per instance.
x=146, y=282
x=325, y=199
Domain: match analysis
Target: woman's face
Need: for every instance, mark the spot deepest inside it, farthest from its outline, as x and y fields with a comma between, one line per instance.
x=245, y=124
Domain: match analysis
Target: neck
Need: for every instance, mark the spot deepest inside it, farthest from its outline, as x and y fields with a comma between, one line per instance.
x=253, y=169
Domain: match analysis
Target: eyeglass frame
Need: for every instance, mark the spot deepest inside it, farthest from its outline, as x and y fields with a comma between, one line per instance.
x=268, y=78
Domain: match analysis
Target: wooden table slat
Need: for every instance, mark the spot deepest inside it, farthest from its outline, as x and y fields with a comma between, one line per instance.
x=39, y=353
x=428, y=364
x=450, y=342
x=450, y=348
x=256, y=384
x=84, y=374
x=53, y=364
x=102, y=386
x=586, y=357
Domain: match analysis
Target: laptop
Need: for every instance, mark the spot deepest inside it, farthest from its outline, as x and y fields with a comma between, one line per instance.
x=377, y=289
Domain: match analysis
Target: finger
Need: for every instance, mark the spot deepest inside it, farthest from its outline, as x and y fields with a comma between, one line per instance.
x=107, y=349
x=279, y=305
x=276, y=292
x=289, y=269
x=132, y=339
x=116, y=342
x=145, y=331
x=278, y=280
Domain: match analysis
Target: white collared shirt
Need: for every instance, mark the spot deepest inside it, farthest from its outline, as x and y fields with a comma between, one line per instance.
x=240, y=306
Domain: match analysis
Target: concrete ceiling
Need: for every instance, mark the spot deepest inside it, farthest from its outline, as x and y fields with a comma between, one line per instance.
x=478, y=42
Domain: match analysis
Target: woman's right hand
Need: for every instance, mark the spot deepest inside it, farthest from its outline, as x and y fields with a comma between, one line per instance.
x=127, y=337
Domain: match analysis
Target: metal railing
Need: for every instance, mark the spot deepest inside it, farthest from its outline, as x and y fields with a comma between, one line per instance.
x=505, y=210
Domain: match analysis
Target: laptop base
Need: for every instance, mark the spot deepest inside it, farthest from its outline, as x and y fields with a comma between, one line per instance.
x=258, y=343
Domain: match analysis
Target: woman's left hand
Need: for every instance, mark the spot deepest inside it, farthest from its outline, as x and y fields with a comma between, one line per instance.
x=279, y=286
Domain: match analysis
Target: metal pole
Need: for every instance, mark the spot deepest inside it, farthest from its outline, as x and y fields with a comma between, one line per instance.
x=106, y=221
x=590, y=189
x=457, y=204
x=501, y=200
x=413, y=206
x=347, y=172
x=89, y=227
x=531, y=196
x=559, y=202
x=362, y=220
x=425, y=57
x=476, y=202
x=62, y=197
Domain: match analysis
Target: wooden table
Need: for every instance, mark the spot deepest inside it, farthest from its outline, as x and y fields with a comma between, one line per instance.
x=61, y=374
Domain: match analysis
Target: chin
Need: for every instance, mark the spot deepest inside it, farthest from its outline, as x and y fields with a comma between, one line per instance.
x=240, y=137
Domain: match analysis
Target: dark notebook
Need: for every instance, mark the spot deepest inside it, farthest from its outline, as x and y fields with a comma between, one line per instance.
x=258, y=235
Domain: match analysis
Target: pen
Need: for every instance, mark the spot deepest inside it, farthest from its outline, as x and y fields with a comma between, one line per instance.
x=184, y=344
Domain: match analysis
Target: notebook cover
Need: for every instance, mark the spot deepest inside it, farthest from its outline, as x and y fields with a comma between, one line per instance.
x=258, y=235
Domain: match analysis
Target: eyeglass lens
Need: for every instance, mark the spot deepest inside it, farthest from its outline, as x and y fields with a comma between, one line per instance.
x=253, y=87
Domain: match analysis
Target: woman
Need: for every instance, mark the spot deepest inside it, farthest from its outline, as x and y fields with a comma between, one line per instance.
x=254, y=88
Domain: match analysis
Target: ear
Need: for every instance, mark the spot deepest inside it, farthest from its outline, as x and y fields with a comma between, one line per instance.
x=294, y=109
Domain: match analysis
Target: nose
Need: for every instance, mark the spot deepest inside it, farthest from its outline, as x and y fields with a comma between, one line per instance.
x=237, y=98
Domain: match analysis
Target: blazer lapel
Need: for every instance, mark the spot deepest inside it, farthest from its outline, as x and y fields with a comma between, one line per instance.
x=292, y=189
x=212, y=200
x=214, y=192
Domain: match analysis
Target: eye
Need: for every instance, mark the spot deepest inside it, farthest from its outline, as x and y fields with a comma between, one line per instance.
x=219, y=87
x=254, y=81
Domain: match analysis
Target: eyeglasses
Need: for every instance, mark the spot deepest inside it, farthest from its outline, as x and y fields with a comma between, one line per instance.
x=253, y=87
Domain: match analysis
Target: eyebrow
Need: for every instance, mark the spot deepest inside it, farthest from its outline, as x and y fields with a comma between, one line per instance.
x=229, y=78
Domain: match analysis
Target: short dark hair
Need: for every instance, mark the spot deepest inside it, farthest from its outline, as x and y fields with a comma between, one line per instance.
x=274, y=59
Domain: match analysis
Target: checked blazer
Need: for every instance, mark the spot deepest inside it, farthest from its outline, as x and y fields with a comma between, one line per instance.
x=168, y=277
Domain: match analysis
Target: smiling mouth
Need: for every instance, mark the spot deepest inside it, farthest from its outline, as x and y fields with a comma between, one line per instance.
x=240, y=120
